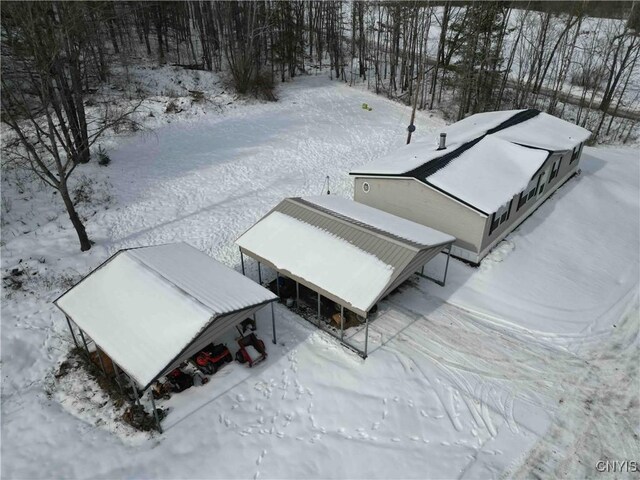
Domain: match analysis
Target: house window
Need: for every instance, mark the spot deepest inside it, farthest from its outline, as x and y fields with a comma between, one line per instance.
x=555, y=169
x=507, y=213
x=575, y=154
x=528, y=193
x=501, y=216
x=495, y=221
x=540, y=185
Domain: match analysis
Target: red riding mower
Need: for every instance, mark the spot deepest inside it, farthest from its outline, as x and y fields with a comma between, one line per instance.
x=212, y=357
x=179, y=380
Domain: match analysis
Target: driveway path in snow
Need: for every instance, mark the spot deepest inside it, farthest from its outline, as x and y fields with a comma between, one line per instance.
x=589, y=388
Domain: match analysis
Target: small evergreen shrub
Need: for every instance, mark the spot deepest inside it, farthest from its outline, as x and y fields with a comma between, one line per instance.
x=103, y=157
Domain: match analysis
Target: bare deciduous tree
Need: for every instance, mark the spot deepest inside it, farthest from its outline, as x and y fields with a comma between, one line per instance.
x=42, y=95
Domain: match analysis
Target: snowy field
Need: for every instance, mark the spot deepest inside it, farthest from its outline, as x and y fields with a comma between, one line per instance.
x=524, y=367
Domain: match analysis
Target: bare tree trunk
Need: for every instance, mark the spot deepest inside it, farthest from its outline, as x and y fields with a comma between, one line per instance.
x=85, y=243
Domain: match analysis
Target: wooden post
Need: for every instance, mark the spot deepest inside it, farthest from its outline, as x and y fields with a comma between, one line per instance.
x=259, y=274
x=242, y=261
x=71, y=330
x=341, y=323
x=318, y=309
x=415, y=103
x=278, y=284
x=273, y=324
x=297, y=295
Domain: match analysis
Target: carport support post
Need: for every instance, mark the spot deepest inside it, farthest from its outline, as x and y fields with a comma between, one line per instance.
x=259, y=274
x=71, y=330
x=242, y=261
x=104, y=370
x=273, y=324
x=117, y=375
x=278, y=284
x=446, y=267
x=318, y=309
x=297, y=295
x=135, y=390
x=341, y=323
x=366, y=335
x=155, y=413
x=85, y=344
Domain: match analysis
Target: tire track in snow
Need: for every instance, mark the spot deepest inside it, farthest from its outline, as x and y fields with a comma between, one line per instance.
x=583, y=383
x=571, y=448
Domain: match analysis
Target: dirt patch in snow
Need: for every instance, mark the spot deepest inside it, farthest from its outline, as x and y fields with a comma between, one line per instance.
x=88, y=396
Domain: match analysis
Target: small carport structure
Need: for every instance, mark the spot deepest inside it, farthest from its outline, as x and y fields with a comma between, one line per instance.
x=151, y=308
x=348, y=252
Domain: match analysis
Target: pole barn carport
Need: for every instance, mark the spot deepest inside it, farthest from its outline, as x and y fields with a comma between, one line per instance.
x=347, y=252
x=151, y=308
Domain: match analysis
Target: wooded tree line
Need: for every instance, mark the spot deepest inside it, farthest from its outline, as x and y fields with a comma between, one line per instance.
x=469, y=57
x=460, y=57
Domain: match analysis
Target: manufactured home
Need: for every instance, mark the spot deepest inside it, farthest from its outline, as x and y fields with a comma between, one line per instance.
x=488, y=173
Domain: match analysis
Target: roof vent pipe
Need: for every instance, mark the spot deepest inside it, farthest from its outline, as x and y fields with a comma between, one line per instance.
x=443, y=141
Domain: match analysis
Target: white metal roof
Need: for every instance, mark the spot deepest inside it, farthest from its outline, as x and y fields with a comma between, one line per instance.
x=384, y=221
x=144, y=306
x=490, y=174
x=316, y=255
x=347, y=252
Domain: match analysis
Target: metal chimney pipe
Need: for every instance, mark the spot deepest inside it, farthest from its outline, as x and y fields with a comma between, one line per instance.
x=443, y=141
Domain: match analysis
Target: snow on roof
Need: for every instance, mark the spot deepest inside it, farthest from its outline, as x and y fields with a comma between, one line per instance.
x=489, y=174
x=321, y=258
x=402, y=160
x=542, y=131
x=217, y=286
x=409, y=157
x=545, y=131
x=143, y=306
x=380, y=220
x=476, y=125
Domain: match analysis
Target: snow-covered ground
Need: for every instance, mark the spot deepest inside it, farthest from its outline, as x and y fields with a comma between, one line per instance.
x=526, y=366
